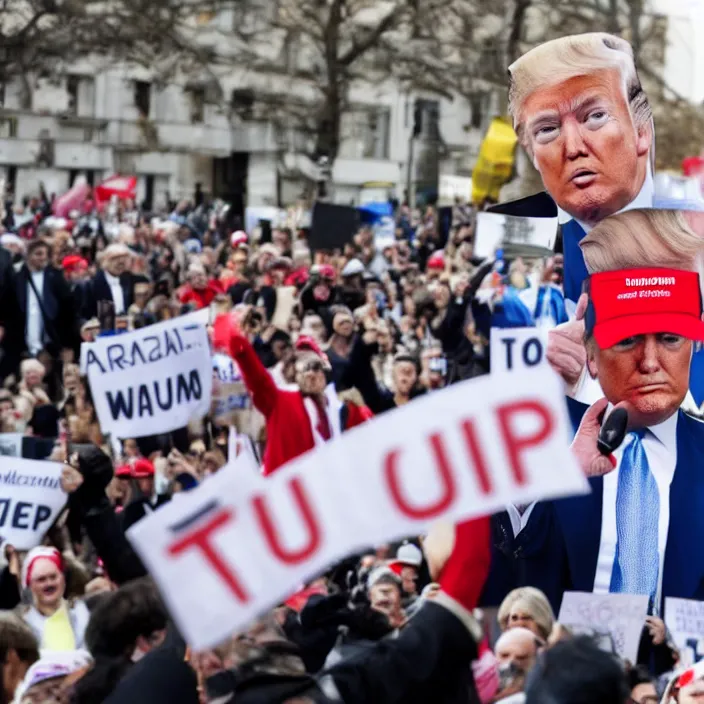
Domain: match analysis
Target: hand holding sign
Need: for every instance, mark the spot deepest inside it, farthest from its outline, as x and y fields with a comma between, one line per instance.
x=566, y=352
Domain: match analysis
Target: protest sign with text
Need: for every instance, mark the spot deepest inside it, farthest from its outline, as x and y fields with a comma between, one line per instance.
x=230, y=550
x=616, y=620
x=684, y=619
x=517, y=349
x=30, y=500
x=152, y=380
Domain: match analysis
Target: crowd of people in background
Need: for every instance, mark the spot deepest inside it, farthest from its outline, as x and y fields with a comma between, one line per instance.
x=380, y=326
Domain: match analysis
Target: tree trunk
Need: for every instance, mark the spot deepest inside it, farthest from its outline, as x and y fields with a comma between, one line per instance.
x=513, y=45
x=328, y=138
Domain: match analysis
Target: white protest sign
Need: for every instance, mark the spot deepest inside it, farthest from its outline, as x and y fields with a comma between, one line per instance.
x=152, y=380
x=203, y=316
x=30, y=500
x=684, y=619
x=616, y=619
x=517, y=349
x=11, y=444
x=230, y=394
x=231, y=549
x=495, y=231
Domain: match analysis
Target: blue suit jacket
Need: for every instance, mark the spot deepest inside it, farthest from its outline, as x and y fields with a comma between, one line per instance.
x=574, y=550
x=579, y=520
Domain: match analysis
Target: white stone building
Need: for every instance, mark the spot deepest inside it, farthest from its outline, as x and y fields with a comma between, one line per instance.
x=100, y=121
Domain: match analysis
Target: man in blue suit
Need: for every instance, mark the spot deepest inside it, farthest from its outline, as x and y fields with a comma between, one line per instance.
x=571, y=544
x=634, y=532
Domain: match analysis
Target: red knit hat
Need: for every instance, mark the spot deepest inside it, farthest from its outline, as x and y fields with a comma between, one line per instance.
x=36, y=554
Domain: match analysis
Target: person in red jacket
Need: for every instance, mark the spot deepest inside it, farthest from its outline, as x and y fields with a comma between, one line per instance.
x=199, y=290
x=296, y=421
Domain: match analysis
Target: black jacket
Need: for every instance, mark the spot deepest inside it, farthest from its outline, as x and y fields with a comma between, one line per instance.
x=13, y=334
x=98, y=289
x=429, y=661
x=58, y=313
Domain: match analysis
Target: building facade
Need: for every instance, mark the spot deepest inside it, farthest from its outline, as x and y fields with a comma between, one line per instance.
x=173, y=137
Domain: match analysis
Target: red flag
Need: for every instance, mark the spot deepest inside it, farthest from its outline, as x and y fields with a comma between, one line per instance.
x=71, y=200
x=124, y=187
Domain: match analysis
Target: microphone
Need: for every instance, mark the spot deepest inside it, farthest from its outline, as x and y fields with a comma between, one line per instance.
x=613, y=431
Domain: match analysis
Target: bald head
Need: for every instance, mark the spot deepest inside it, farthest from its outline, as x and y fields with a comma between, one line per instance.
x=518, y=646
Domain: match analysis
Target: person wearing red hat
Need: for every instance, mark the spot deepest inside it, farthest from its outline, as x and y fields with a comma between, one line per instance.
x=296, y=421
x=642, y=312
x=75, y=267
x=58, y=624
x=142, y=498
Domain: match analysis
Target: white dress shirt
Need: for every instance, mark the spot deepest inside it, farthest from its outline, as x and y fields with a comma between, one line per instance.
x=118, y=296
x=35, y=321
x=660, y=444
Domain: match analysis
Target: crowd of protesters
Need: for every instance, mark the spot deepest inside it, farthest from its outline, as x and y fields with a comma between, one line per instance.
x=323, y=341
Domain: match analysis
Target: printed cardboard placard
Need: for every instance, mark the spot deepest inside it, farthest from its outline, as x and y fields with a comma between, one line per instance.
x=30, y=500
x=152, y=380
x=617, y=620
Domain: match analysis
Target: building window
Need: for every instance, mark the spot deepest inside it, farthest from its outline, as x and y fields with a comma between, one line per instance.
x=2, y=94
x=8, y=127
x=143, y=97
x=478, y=105
x=376, y=134
x=72, y=86
x=243, y=103
x=426, y=119
x=197, y=99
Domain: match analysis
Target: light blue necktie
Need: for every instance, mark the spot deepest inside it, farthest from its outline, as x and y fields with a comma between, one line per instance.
x=637, y=560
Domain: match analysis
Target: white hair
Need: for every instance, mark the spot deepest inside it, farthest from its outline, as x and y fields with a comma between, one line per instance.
x=559, y=60
x=644, y=238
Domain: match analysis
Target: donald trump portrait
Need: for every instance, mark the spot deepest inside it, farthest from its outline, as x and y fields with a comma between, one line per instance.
x=633, y=533
x=581, y=114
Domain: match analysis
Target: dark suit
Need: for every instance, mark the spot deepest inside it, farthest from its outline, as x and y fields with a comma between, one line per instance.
x=98, y=289
x=59, y=317
x=573, y=548
x=13, y=336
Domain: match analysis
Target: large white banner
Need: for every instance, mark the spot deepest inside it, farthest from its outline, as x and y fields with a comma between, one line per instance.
x=30, y=500
x=232, y=549
x=616, y=619
x=517, y=349
x=684, y=619
x=152, y=380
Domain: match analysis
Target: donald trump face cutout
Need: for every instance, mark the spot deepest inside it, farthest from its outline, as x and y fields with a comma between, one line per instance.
x=581, y=114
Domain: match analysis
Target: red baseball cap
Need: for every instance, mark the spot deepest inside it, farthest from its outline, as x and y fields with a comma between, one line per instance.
x=631, y=302
x=73, y=262
x=142, y=469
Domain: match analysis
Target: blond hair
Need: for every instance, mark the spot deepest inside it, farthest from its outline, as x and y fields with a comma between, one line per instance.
x=534, y=603
x=643, y=238
x=29, y=365
x=559, y=60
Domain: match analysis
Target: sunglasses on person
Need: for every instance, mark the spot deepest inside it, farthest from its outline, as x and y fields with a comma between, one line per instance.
x=310, y=365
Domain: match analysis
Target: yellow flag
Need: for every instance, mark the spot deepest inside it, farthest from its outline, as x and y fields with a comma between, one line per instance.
x=495, y=162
